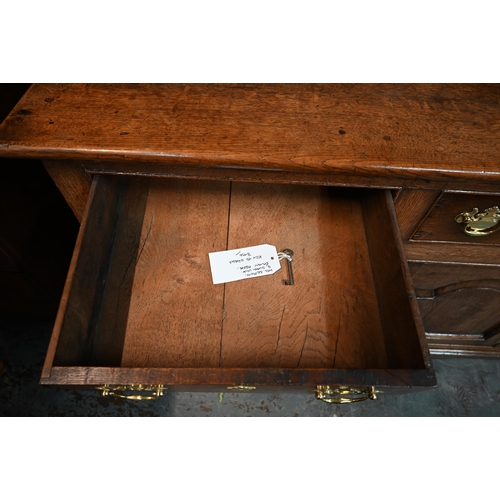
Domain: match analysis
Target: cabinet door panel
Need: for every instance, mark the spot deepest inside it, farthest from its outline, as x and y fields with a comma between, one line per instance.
x=470, y=307
x=462, y=319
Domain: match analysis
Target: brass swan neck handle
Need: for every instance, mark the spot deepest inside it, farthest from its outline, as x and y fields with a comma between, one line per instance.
x=480, y=224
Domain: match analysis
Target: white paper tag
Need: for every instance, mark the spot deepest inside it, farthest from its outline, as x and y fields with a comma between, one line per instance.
x=243, y=263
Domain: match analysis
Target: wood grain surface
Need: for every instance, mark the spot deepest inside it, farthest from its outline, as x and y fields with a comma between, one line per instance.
x=96, y=303
x=397, y=304
x=143, y=298
x=395, y=179
x=452, y=253
x=175, y=315
x=330, y=317
x=412, y=205
x=433, y=275
x=64, y=305
x=445, y=131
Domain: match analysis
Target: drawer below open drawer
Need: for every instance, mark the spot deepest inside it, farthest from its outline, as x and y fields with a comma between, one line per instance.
x=140, y=308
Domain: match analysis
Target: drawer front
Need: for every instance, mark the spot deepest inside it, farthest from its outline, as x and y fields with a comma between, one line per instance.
x=440, y=224
x=140, y=307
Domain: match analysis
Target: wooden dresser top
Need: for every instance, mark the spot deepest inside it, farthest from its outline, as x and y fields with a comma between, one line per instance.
x=425, y=130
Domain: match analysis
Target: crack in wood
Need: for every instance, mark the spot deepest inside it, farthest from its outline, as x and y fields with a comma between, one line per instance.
x=338, y=332
x=279, y=329
x=303, y=345
x=224, y=313
x=139, y=254
x=145, y=240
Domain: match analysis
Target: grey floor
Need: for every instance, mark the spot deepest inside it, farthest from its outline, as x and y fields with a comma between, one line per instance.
x=466, y=387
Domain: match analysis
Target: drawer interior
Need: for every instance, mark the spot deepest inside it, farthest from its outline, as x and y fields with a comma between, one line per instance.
x=140, y=292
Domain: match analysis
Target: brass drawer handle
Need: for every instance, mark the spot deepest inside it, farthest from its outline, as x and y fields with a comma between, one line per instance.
x=111, y=390
x=242, y=388
x=480, y=224
x=342, y=394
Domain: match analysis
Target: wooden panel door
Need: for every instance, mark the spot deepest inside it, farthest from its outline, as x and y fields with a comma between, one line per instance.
x=463, y=318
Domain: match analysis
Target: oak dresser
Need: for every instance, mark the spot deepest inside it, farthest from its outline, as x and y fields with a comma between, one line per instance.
x=387, y=195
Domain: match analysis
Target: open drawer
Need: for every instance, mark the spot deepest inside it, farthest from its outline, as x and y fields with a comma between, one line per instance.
x=139, y=307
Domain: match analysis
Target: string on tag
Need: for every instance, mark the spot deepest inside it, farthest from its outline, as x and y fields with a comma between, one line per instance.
x=282, y=255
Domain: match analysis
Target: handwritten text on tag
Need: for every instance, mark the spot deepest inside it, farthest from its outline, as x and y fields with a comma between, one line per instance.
x=243, y=263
